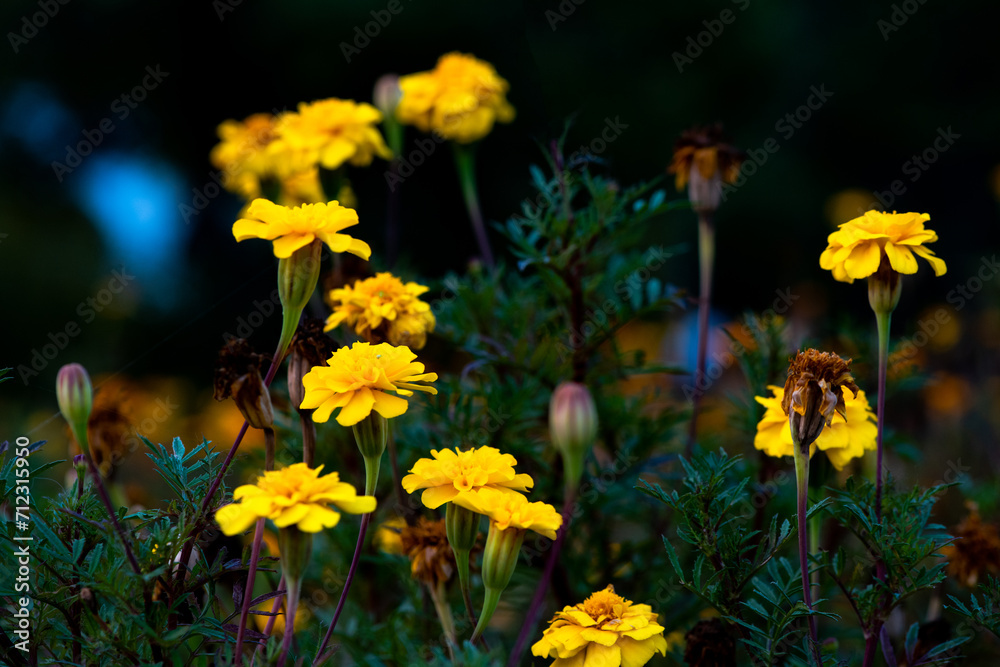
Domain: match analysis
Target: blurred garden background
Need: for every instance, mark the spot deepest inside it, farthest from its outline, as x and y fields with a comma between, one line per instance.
x=123, y=258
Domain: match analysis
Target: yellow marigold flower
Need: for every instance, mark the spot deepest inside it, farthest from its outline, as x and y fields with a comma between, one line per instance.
x=450, y=473
x=383, y=302
x=459, y=99
x=860, y=245
x=293, y=496
x=848, y=436
x=294, y=228
x=605, y=630
x=388, y=537
x=512, y=510
x=304, y=187
x=357, y=378
x=327, y=133
x=241, y=154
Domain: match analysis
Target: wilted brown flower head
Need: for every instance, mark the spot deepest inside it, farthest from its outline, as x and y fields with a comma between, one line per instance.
x=238, y=375
x=814, y=390
x=108, y=426
x=975, y=551
x=709, y=645
x=310, y=347
x=705, y=160
x=431, y=559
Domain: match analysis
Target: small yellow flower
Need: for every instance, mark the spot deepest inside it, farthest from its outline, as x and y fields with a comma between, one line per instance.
x=860, y=245
x=293, y=496
x=357, y=378
x=460, y=99
x=450, y=473
x=294, y=228
x=848, y=436
x=388, y=537
x=605, y=630
x=327, y=133
x=242, y=156
x=512, y=511
x=383, y=301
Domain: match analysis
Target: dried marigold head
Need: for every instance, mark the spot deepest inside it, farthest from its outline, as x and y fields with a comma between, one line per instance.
x=238, y=376
x=703, y=159
x=426, y=544
x=975, y=551
x=813, y=391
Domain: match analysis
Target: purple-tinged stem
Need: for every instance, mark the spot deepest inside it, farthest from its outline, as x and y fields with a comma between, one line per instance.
x=365, y=519
x=706, y=259
x=248, y=592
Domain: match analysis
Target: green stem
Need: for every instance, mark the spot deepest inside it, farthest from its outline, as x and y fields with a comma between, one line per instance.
x=802, y=493
x=882, y=320
x=466, y=164
x=443, y=610
x=489, y=606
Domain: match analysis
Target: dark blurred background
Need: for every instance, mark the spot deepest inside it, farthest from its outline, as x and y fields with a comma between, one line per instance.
x=896, y=76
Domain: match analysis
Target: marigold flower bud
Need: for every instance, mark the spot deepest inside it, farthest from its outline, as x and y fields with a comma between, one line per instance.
x=884, y=288
x=295, y=547
x=387, y=94
x=573, y=427
x=371, y=434
x=298, y=276
x=237, y=376
x=76, y=399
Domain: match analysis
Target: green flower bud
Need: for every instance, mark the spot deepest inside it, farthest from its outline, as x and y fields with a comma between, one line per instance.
x=298, y=276
x=76, y=399
x=295, y=547
x=499, y=561
x=573, y=427
x=371, y=434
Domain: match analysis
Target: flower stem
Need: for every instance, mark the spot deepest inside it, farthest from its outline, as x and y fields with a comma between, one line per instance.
x=248, y=591
x=802, y=490
x=308, y=437
x=365, y=519
x=291, y=607
x=106, y=499
x=443, y=610
x=489, y=606
x=706, y=259
x=528, y=627
x=882, y=319
x=465, y=162
x=269, y=628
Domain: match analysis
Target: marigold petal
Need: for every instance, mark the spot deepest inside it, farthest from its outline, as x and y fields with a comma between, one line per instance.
x=863, y=261
x=357, y=504
x=389, y=406
x=357, y=408
x=286, y=245
x=900, y=258
x=436, y=496
x=638, y=653
x=601, y=655
x=234, y=519
x=602, y=637
x=940, y=268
